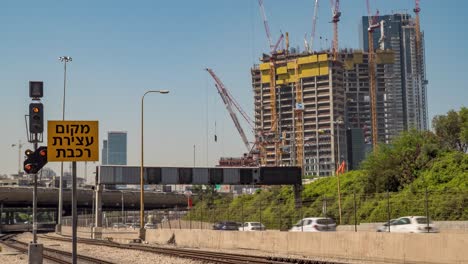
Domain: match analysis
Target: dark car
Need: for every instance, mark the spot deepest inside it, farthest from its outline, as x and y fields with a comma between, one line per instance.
x=226, y=226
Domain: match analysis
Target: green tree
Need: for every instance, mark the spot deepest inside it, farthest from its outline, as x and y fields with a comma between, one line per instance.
x=452, y=129
x=394, y=166
x=464, y=126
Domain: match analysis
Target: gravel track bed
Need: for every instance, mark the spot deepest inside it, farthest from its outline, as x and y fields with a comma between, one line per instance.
x=107, y=253
x=268, y=254
x=21, y=258
x=261, y=253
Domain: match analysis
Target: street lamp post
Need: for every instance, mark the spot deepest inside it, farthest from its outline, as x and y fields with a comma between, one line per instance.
x=65, y=60
x=142, y=184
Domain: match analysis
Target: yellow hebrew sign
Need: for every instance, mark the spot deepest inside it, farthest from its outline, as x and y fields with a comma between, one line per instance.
x=72, y=141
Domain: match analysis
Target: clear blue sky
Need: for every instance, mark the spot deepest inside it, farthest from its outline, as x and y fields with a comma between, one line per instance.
x=120, y=49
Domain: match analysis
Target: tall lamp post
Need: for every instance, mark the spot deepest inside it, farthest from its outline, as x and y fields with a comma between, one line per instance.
x=142, y=180
x=65, y=60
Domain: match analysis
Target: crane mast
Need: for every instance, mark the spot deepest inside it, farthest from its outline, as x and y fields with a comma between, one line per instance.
x=418, y=48
x=336, y=14
x=228, y=103
x=299, y=124
x=372, y=71
x=416, y=10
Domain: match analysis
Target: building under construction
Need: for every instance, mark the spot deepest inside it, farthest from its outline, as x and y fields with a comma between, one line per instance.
x=304, y=103
x=299, y=108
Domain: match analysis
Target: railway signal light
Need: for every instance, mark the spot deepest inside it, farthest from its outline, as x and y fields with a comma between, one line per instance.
x=35, y=160
x=36, y=118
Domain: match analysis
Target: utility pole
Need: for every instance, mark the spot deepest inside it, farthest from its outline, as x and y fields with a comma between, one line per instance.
x=338, y=123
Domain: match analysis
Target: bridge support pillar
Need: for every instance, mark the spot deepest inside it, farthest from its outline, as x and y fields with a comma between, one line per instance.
x=98, y=205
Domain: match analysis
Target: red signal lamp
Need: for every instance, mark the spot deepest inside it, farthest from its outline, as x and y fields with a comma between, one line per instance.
x=27, y=167
x=43, y=153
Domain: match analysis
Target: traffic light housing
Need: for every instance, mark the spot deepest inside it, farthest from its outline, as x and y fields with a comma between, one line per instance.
x=35, y=160
x=36, y=90
x=36, y=118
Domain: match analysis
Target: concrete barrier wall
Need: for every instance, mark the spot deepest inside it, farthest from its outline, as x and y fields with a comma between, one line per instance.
x=444, y=226
x=115, y=234
x=399, y=248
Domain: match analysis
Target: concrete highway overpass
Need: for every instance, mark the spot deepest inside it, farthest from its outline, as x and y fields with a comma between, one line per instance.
x=21, y=197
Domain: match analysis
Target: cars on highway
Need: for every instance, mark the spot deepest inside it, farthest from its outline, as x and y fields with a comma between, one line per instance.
x=226, y=226
x=252, y=226
x=410, y=224
x=119, y=225
x=150, y=226
x=133, y=225
x=314, y=224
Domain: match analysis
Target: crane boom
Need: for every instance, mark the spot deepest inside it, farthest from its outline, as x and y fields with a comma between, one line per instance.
x=265, y=24
x=314, y=25
x=228, y=103
x=275, y=48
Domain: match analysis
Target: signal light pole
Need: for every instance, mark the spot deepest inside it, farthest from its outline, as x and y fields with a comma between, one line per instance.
x=35, y=160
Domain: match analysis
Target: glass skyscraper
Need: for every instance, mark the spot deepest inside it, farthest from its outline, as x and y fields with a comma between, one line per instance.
x=406, y=86
x=114, y=151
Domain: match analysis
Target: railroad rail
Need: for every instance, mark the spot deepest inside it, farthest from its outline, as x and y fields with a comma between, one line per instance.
x=206, y=256
x=54, y=255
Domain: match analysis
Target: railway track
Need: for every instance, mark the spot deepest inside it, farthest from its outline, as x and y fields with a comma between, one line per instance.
x=54, y=255
x=206, y=256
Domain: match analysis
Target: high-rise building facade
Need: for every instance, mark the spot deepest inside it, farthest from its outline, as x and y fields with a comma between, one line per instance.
x=406, y=82
x=104, y=152
x=114, y=151
x=308, y=96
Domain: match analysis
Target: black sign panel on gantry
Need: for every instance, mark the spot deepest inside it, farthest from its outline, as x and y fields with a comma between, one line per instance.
x=108, y=174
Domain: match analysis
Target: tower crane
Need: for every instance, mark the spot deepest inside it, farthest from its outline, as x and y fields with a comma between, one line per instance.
x=336, y=14
x=272, y=90
x=373, y=24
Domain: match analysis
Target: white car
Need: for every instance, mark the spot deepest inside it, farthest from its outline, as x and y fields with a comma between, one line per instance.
x=252, y=226
x=150, y=226
x=314, y=224
x=410, y=224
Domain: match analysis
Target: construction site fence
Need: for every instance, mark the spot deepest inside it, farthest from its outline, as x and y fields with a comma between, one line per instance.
x=448, y=210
